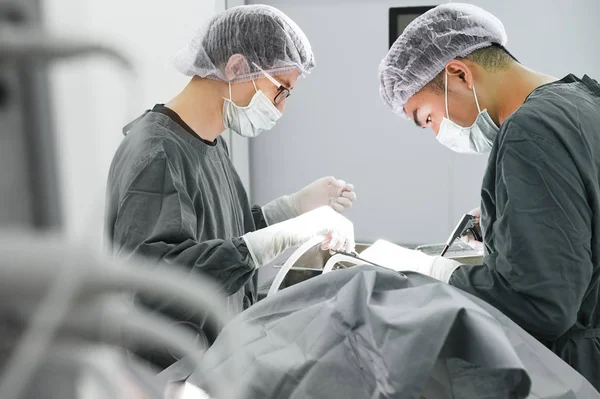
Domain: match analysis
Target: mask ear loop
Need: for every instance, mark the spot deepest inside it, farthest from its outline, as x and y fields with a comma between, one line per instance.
x=446, y=93
x=231, y=97
x=476, y=100
x=446, y=96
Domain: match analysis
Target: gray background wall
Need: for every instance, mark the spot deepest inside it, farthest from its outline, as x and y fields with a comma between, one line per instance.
x=410, y=188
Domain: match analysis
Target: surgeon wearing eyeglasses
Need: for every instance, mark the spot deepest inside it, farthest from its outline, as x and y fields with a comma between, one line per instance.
x=173, y=192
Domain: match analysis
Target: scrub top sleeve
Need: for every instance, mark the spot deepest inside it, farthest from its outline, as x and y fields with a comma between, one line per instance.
x=156, y=220
x=541, y=266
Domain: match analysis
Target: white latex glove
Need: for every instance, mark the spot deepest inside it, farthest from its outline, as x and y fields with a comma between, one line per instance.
x=268, y=243
x=326, y=191
x=398, y=258
x=468, y=238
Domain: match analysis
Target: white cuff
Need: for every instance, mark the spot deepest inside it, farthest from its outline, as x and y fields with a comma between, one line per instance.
x=279, y=210
x=442, y=268
x=251, y=252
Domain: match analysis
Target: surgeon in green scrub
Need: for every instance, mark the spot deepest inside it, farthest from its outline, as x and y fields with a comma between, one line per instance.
x=450, y=72
x=173, y=193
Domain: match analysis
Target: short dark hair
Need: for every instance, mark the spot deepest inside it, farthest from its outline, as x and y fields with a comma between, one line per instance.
x=492, y=58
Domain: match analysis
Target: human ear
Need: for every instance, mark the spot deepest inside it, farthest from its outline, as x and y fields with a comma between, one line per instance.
x=236, y=66
x=459, y=70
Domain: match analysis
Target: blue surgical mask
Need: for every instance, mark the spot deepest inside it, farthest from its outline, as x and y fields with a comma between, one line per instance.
x=476, y=139
x=252, y=120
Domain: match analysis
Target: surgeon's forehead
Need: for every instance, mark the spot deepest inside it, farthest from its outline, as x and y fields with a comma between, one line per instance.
x=413, y=104
x=424, y=98
x=422, y=104
x=288, y=79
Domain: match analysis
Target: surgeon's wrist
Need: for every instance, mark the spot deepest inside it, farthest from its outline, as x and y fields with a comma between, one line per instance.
x=279, y=210
x=266, y=244
x=443, y=268
x=255, y=259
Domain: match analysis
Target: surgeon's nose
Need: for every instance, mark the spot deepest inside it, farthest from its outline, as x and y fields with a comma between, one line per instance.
x=435, y=127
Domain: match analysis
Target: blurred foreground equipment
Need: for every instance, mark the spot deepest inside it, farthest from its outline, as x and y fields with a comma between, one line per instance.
x=67, y=316
x=68, y=323
x=28, y=159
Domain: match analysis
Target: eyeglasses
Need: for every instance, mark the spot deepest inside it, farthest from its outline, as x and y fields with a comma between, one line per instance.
x=282, y=91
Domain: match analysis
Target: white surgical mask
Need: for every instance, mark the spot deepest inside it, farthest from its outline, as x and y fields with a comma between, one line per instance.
x=252, y=120
x=476, y=139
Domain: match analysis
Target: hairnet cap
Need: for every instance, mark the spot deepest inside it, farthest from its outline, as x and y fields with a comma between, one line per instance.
x=262, y=34
x=440, y=35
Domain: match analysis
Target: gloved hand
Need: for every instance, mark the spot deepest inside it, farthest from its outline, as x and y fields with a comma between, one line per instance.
x=268, y=243
x=468, y=238
x=398, y=258
x=325, y=191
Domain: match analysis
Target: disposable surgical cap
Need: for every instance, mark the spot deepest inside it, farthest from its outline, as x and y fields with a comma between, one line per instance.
x=262, y=34
x=446, y=32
